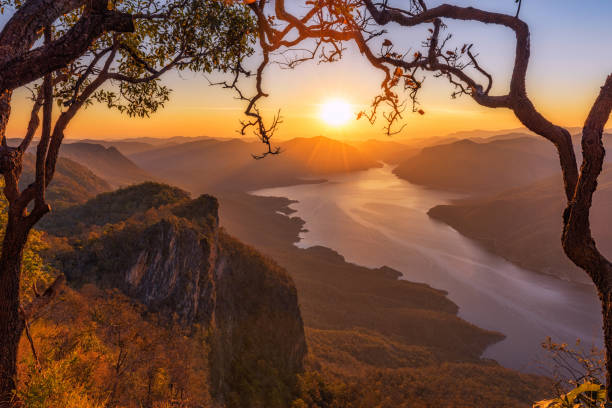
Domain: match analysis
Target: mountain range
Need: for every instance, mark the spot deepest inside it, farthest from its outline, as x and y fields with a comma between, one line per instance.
x=514, y=197
x=524, y=224
x=473, y=167
x=107, y=162
x=512, y=178
x=411, y=357
x=212, y=165
x=72, y=183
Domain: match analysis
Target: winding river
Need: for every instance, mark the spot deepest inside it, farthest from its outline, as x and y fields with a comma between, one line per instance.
x=374, y=218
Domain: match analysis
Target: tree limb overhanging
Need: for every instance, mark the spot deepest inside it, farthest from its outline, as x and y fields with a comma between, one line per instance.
x=19, y=64
x=329, y=24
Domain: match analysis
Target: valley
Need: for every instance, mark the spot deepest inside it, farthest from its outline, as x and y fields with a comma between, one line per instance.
x=373, y=218
x=358, y=243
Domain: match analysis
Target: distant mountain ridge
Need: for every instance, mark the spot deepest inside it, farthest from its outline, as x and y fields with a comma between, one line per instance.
x=211, y=165
x=72, y=183
x=483, y=134
x=388, y=151
x=107, y=162
x=103, y=159
x=524, y=224
x=476, y=167
x=321, y=155
x=125, y=147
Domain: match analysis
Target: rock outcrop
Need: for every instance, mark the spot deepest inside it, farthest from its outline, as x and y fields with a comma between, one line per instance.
x=173, y=272
x=177, y=262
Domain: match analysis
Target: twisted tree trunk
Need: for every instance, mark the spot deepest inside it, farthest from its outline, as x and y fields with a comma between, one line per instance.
x=19, y=65
x=606, y=308
x=12, y=322
x=578, y=242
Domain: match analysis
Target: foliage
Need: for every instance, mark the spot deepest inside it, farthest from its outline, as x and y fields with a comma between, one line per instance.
x=578, y=373
x=572, y=366
x=445, y=385
x=99, y=349
x=112, y=207
x=36, y=275
x=315, y=391
x=586, y=395
x=195, y=35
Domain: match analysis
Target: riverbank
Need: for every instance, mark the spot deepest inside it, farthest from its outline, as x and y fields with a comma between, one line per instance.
x=336, y=294
x=362, y=322
x=373, y=218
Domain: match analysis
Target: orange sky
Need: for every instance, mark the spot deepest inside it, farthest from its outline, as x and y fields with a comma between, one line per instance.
x=554, y=85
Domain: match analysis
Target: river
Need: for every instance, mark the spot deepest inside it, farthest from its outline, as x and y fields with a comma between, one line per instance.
x=374, y=218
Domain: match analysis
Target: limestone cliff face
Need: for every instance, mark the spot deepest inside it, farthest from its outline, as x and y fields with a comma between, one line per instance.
x=178, y=263
x=257, y=309
x=173, y=272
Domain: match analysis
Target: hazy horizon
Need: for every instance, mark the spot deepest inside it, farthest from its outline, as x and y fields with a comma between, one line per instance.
x=381, y=137
x=195, y=108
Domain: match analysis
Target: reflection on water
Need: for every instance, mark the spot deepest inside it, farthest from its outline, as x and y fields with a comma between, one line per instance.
x=373, y=218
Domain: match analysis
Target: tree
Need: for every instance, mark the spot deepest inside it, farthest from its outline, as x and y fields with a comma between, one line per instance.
x=79, y=64
x=20, y=64
x=326, y=25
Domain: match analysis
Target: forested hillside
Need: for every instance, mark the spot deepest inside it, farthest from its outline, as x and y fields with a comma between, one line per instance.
x=72, y=184
x=471, y=167
x=162, y=308
x=107, y=162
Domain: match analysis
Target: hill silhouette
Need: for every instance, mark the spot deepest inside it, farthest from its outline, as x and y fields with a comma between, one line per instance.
x=388, y=151
x=213, y=165
x=126, y=147
x=107, y=162
x=473, y=167
x=72, y=182
x=524, y=224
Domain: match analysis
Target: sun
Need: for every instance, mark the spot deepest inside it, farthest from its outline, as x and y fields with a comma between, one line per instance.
x=336, y=112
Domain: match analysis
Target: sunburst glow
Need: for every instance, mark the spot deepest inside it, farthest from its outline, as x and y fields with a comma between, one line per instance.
x=336, y=112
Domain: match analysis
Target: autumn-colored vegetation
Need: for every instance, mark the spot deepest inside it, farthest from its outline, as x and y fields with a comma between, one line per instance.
x=112, y=208
x=98, y=348
x=240, y=344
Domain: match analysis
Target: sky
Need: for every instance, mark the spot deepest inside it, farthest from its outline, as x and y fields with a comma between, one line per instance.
x=571, y=57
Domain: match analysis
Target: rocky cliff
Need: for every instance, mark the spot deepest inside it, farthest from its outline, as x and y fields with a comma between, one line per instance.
x=259, y=339
x=177, y=262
